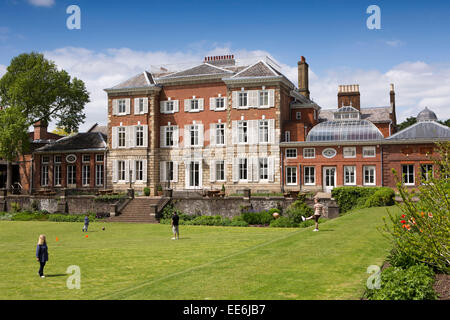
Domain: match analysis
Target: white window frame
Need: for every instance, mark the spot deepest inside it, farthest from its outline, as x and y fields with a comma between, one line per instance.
x=139, y=170
x=409, y=183
x=263, y=94
x=45, y=159
x=347, y=149
x=139, y=130
x=220, y=168
x=194, y=134
x=86, y=175
x=287, y=136
x=121, y=171
x=241, y=125
x=298, y=115
x=216, y=100
x=263, y=172
x=374, y=176
x=309, y=157
x=99, y=174
x=57, y=175
x=366, y=149
x=291, y=157
x=424, y=175
x=121, y=130
x=55, y=159
x=44, y=175
x=309, y=175
x=119, y=105
x=194, y=102
x=97, y=158
x=242, y=96
x=263, y=131
x=86, y=161
x=71, y=174
x=242, y=169
x=291, y=175
x=220, y=127
x=354, y=176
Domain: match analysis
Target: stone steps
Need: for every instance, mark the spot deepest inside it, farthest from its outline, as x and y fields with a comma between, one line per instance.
x=138, y=210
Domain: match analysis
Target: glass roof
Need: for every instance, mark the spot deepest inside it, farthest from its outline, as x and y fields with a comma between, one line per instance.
x=351, y=130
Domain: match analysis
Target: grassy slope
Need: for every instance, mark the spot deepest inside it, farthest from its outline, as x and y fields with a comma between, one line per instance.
x=129, y=261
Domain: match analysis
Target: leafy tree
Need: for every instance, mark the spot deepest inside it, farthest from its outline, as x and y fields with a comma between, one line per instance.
x=14, y=139
x=42, y=92
x=408, y=122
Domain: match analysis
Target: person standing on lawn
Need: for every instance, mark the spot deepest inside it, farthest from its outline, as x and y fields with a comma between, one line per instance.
x=175, y=230
x=42, y=254
x=318, y=210
x=86, y=223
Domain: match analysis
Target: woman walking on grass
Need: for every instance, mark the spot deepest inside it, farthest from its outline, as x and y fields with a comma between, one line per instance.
x=42, y=254
x=318, y=209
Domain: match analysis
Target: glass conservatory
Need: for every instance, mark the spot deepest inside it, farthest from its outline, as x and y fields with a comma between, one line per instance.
x=344, y=130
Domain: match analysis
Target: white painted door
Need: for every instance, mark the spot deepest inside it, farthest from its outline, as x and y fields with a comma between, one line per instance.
x=329, y=178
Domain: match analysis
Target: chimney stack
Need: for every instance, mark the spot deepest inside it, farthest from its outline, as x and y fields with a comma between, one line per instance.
x=40, y=130
x=227, y=60
x=348, y=95
x=393, y=112
x=303, y=77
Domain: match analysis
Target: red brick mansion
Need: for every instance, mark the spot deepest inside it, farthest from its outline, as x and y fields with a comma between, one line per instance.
x=222, y=123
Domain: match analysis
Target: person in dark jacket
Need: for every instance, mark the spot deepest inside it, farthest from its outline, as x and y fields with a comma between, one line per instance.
x=175, y=230
x=86, y=223
x=42, y=254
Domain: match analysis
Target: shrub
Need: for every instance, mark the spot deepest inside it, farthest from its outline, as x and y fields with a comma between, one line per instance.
x=414, y=283
x=70, y=218
x=274, y=210
x=34, y=205
x=347, y=197
x=298, y=209
x=147, y=191
x=382, y=197
x=283, y=222
x=25, y=216
x=169, y=210
x=111, y=197
x=262, y=217
x=15, y=207
x=422, y=231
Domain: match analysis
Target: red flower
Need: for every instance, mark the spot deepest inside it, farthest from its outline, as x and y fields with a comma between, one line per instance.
x=403, y=216
x=403, y=221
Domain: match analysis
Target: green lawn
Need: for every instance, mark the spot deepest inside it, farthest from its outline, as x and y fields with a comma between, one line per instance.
x=140, y=261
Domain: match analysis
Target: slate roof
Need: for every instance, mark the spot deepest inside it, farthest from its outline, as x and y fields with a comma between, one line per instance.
x=80, y=141
x=259, y=69
x=380, y=114
x=200, y=70
x=429, y=130
x=101, y=129
x=142, y=80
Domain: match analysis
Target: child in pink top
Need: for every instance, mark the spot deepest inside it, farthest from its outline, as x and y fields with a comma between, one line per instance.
x=318, y=209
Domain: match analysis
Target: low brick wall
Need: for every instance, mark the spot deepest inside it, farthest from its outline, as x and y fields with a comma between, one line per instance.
x=74, y=204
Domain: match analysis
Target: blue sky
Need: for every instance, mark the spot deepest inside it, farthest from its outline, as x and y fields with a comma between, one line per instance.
x=414, y=40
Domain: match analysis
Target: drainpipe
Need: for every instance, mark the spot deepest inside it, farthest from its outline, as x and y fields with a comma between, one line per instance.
x=282, y=170
x=105, y=167
x=381, y=147
x=31, y=173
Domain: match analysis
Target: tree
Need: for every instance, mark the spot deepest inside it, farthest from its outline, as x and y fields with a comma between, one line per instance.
x=62, y=132
x=42, y=92
x=408, y=122
x=14, y=139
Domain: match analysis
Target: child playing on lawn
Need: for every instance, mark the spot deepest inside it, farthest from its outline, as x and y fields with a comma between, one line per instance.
x=42, y=254
x=175, y=230
x=318, y=209
x=86, y=223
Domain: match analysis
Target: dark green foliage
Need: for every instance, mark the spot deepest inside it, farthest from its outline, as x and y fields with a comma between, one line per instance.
x=111, y=197
x=407, y=123
x=283, y=222
x=349, y=198
x=25, y=216
x=298, y=209
x=262, y=217
x=381, y=198
x=414, y=283
x=400, y=259
x=274, y=210
x=42, y=92
x=147, y=191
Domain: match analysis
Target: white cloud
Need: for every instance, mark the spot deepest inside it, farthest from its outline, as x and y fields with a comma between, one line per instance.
x=2, y=70
x=42, y=3
x=418, y=84
x=395, y=43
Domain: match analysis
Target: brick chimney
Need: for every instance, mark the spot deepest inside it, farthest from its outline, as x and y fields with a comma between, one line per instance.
x=303, y=77
x=393, y=112
x=40, y=131
x=348, y=95
x=226, y=60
